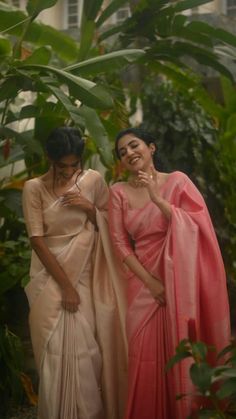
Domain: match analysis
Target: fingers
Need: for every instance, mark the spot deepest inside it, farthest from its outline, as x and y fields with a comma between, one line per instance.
x=70, y=300
x=70, y=198
x=161, y=300
x=68, y=307
x=71, y=307
x=145, y=178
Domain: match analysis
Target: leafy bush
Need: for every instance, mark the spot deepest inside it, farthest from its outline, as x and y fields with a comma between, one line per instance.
x=215, y=385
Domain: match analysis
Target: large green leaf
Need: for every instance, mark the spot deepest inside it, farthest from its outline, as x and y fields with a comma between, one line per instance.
x=91, y=8
x=5, y=47
x=106, y=62
x=9, y=88
x=64, y=100
x=177, y=358
x=229, y=92
x=180, y=6
x=98, y=133
x=180, y=28
x=48, y=110
x=109, y=11
x=201, y=376
x=86, y=38
x=84, y=90
x=12, y=200
x=216, y=33
x=113, y=31
x=13, y=21
x=165, y=48
x=41, y=55
x=227, y=389
x=34, y=7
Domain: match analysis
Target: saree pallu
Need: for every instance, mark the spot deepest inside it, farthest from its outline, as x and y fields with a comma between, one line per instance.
x=184, y=254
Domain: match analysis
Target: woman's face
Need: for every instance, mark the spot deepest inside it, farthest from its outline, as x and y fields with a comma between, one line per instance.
x=134, y=153
x=67, y=166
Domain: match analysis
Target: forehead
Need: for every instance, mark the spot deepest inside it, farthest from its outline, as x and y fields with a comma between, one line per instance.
x=127, y=139
x=70, y=159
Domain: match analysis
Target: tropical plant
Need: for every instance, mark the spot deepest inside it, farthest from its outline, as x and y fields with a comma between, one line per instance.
x=11, y=367
x=215, y=385
x=169, y=36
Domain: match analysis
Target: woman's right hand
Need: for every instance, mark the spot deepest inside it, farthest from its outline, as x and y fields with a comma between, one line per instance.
x=70, y=299
x=157, y=289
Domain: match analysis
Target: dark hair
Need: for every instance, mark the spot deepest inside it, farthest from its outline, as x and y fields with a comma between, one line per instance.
x=144, y=136
x=63, y=141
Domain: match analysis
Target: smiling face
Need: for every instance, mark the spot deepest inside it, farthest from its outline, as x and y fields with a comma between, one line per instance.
x=134, y=153
x=67, y=166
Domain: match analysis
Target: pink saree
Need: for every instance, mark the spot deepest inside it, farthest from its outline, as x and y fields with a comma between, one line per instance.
x=184, y=253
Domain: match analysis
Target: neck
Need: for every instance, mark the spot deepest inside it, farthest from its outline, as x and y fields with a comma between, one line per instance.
x=147, y=170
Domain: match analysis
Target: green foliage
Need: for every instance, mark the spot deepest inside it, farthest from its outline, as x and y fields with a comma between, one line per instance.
x=215, y=385
x=183, y=129
x=170, y=37
x=11, y=366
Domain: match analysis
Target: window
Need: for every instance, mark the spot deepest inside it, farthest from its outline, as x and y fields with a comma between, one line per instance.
x=15, y=3
x=122, y=14
x=231, y=7
x=72, y=13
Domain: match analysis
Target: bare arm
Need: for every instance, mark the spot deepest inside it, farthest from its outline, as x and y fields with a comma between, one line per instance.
x=154, y=285
x=70, y=297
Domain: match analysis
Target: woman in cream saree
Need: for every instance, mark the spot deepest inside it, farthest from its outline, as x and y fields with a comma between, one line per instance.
x=67, y=354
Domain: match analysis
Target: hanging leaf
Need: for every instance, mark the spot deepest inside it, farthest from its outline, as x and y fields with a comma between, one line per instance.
x=34, y=7
x=98, y=133
x=72, y=110
x=106, y=62
x=112, y=8
x=80, y=88
x=86, y=39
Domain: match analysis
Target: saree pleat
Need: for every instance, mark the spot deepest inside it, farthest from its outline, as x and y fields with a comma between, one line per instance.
x=109, y=295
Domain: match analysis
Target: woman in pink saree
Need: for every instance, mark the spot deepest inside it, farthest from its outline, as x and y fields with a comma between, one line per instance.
x=161, y=230
x=63, y=209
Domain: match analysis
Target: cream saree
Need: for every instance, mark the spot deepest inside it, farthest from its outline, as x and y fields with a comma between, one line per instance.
x=67, y=354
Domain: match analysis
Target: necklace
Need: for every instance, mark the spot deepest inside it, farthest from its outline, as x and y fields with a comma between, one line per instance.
x=136, y=183
x=75, y=183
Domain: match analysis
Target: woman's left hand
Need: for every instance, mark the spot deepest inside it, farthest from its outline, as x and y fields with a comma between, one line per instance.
x=75, y=198
x=150, y=181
